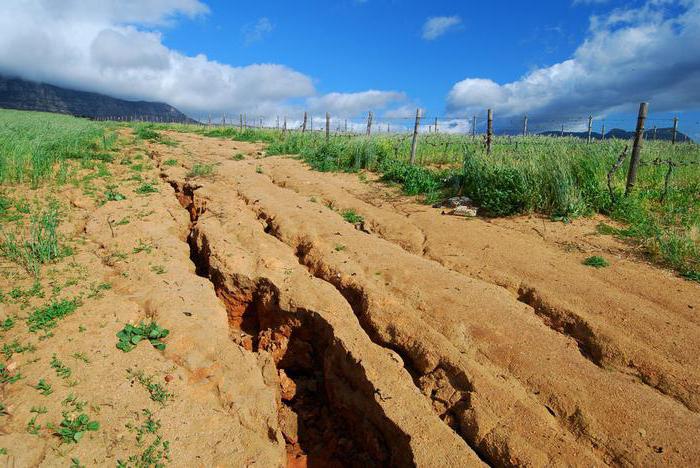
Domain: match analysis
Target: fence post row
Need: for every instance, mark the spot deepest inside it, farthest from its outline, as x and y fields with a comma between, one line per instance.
x=414, y=142
x=637, y=147
x=489, y=131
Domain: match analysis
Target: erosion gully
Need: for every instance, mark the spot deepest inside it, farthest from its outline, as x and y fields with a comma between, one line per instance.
x=314, y=423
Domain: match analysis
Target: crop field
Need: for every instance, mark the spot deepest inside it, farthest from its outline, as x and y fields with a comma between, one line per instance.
x=191, y=295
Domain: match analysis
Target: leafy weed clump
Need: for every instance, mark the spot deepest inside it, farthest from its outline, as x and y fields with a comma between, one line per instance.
x=132, y=335
x=596, y=261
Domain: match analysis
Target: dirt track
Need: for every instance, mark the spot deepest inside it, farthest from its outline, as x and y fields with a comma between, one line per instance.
x=413, y=339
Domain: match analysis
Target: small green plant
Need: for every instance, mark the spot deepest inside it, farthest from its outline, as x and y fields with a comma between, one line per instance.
x=201, y=170
x=146, y=188
x=259, y=169
x=96, y=290
x=112, y=195
x=238, y=157
x=44, y=387
x=157, y=392
x=33, y=427
x=352, y=217
x=339, y=247
x=75, y=463
x=156, y=452
x=596, y=262
x=61, y=369
x=131, y=335
x=142, y=247
x=81, y=357
x=44, y=318
x=170, y=162
x=72, y=429
x=39, y=410
x=6, y=376
x=158, y=269
x=7, y=324
x=9, y=349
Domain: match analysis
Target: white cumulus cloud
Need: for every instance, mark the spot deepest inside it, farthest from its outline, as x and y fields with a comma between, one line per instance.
x=650, y=53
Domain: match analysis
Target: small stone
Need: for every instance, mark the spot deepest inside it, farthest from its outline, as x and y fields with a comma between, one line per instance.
x=465, y=211
x=169, y=378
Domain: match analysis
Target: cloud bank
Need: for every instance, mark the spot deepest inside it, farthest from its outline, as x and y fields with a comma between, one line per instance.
x=114, y=47
x=651, y=53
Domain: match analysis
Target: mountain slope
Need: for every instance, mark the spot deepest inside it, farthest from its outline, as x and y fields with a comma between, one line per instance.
x=21, y=94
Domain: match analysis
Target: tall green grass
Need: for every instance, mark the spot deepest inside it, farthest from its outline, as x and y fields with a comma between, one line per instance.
x=34, y=146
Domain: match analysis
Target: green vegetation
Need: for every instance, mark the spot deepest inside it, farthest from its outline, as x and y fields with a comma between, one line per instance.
x=40, y=245
x=35, y=146
x=131, y=335
x=45, y=318
x=146, y=189
x=44, y=387
x=352, y=217
x=201, y=170
x=170, y=162
x=596, y=262
x=157, y=392
x=72, y=429
x=156, y=452
x=61, y=369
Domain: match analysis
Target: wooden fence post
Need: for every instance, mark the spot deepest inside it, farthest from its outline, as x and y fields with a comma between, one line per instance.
x=346, y=125
x=637, y=148
x=311, y=123
x=414, y=143
x=435, y=127
x=602, y=130
x=240, y=116
x=245, y=120
x=590, y=127
x=303, y=125
x=525, y=126
x=369, y=123
x=328, y=126
x=473, y=126
x=654, y=134
x=284, y=125
x=675, y=130
x=278, y=122
x=489, y=131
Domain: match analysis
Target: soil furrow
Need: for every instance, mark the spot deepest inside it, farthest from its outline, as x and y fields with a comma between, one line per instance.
x=317, y=375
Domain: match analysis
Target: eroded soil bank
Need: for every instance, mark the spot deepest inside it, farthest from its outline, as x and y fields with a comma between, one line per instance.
x=297, y=339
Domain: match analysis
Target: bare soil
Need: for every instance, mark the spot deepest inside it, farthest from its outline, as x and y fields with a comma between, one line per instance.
x=412, y=338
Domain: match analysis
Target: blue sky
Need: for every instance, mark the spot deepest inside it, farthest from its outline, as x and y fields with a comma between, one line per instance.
x=551, y=59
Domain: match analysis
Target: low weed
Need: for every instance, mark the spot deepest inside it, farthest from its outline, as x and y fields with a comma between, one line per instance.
x=61, y=369
x=352, y=217
x=44, y=387
x=72, y=428
x=201, y=170
x=45, y=318
x=596, y=262
x=132, y=335
x=146, y=188
x=157, y=392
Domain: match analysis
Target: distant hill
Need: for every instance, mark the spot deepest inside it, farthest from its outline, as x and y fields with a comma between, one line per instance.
x=21, y=94
x=661, y=134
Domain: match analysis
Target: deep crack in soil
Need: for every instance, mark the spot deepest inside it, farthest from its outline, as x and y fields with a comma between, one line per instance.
x=316, y=426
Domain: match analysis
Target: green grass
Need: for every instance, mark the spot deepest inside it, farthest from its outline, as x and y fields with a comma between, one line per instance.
x=45, y=318
x=596, y=262
x=201, y=170
x=352, y=217
x=35, y=146
x=40, y=243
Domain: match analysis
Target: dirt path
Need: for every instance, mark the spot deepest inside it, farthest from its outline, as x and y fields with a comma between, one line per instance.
x=299, y=339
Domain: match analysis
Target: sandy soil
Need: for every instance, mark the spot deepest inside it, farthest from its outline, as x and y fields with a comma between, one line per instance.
x=411, y=339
